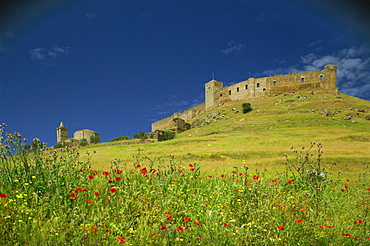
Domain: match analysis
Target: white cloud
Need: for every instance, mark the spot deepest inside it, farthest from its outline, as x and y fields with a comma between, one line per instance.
x=233, y=47
x=48, y=56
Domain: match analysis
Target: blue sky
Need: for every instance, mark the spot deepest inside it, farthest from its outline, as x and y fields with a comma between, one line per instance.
x=116, y=66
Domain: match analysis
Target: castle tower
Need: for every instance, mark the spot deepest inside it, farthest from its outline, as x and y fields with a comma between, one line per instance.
x=212, y=87
x=62, y=133
x=330, y=72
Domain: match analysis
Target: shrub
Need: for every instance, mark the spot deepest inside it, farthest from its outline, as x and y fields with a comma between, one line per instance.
x=168, y=135
x=119, y=138
x=247, y=107
x=83, y=142
x=141, y=135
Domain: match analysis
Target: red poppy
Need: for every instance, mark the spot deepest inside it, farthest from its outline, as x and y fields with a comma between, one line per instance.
x=236, y=190
x=169, y=217
x=322, y=227
x=153, y=234
x=118, y=179
x=234, y=172
x=226, y=224
x=94, y=172
x=274, y=181
x=95, y=233
x=152, y=170
x=281, y=228
x=180, y=228
x=282, y=207
x=196, y=222
x=117, y=171
x=347, y=235
x=79, y=189
x=192, y=169
x=255, y=177
x=163, y=227
x=73, y=195
x=122, y=240
x=166, y=212
x=94, y=228
x=299, y=221
x=241, y=174
x=329, y=226
x=91, y=177
x=113, y=190
x=342, y=190
x=144, y=171
x=107, y=231
x=138, y=166
x=89, y=201
x=96, y=193
x=302, y=210
x=3, y=195
x=186, y=219
x=191, y=165
x=290, y=181
x=223, y=175
x=346, y=186
x=105, y=173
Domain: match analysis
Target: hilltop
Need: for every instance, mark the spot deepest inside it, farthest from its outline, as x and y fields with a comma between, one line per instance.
x=223, y=136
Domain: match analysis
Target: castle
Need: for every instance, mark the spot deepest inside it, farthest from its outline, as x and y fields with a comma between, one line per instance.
x=62, y=135
x=314, y=82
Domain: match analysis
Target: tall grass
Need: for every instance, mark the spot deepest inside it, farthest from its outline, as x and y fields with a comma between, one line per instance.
x=53, y=197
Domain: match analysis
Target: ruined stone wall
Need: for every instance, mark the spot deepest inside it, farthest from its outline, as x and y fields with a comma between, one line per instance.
x=84, y=134
x=186, y=115
x=315, y=82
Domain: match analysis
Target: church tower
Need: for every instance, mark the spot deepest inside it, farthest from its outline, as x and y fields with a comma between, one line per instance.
x=62, y=133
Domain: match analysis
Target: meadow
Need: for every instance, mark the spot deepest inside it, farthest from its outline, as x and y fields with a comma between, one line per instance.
x=283, y=174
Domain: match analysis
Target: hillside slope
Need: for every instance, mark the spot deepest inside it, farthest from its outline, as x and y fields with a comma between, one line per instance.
x=225, y=137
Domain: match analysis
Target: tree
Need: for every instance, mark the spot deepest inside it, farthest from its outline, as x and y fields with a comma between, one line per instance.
x=141, y=135
x=95, y=139
x=247, y=107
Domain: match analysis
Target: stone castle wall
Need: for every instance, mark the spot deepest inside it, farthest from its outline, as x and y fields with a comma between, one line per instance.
x=315, y=82
x=187, y=115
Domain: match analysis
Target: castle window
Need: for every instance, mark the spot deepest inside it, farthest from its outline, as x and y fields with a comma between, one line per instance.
x=220, y=95
x=258, y=85
x=274, y=83
x=302, y=79
x=264, y=89
x=229, y=92
x=237, y=89
x=246, y=87
x=321, y=77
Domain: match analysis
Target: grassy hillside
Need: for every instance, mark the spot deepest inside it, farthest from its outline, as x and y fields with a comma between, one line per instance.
x=260, y=138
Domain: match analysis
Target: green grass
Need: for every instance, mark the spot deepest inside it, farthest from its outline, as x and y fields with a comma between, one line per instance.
x=236, y=181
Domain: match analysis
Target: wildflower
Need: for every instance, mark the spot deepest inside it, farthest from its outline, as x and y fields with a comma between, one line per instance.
x=342, y=190
x=3, y=195
x=122, y=240
x=329, y=226
x=322, y=227
x=163, y=227
x=96, y=193
x=196, y=222
x=282, y=207
x=169, y=217
x=281, y=228
x=192, y=169
x=144, y=171
x=302, y=210
x=166, y=212
x=91, y=177
x=226, y=224
x=346, y=186
x=191, y=165
x=234, y=172
x=105, y=174
x=73, y=195
x=347, y=235
x=118, y=179
x=107, y=231
x=186, y=219
x=153, y=234
x=290, y=181
x=113, y=190
x=117, y=171
x=138, y=166
x=299, y=221
x=94, y=228
x=180, y=228
x=274, y=181
x=255, y=177
x=89, y=201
